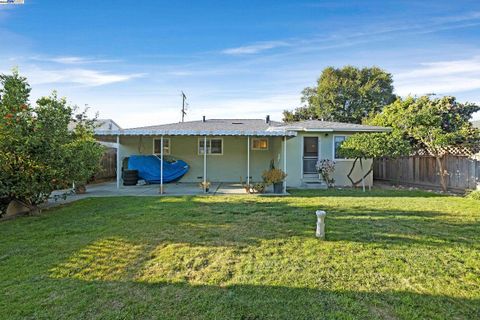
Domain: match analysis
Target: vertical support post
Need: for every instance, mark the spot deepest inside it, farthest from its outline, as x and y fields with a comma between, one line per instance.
x=204, y=163
x=119, y=169
x=161, y=164
x=285, y=162
x=248, y=160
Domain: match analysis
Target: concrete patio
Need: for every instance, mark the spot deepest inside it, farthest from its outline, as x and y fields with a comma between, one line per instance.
x=109, y=189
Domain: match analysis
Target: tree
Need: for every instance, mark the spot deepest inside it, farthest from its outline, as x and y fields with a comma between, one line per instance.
x=347, y=94
x=432, y=124
x=38, y=154
x=362, y=146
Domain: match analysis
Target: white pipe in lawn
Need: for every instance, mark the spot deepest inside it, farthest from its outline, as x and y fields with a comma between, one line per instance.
x=320, y=233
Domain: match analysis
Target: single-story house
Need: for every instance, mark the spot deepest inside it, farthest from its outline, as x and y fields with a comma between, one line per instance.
x=227, y=150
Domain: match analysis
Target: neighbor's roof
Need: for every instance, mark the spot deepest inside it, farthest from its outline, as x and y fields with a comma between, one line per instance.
x=242, y=127
x=100, y=125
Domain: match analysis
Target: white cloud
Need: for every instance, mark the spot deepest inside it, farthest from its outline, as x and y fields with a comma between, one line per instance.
x=255, y=48
x=72, y=60
x=85, y=77
x=442, y=77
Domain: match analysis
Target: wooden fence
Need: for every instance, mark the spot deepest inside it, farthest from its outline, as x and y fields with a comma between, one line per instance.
x=463, y=172
x=108, y=164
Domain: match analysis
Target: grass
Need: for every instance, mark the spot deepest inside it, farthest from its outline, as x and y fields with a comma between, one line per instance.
x=388, y=255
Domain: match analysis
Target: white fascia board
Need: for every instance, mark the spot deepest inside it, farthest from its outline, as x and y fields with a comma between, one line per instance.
x=192, y=133
x=347, y=130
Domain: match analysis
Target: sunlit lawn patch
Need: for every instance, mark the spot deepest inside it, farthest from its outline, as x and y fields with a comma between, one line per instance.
x=387, y=254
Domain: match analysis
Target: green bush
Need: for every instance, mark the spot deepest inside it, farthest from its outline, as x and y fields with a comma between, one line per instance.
x=475, y=194
x=38, y=152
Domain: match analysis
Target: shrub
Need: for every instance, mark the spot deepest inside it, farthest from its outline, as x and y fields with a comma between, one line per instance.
x=38, y=153
x=475, y=194
x=326, y=168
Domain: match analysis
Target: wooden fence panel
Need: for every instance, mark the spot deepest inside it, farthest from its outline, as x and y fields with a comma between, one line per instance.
x=108, y=165
x=463, y=172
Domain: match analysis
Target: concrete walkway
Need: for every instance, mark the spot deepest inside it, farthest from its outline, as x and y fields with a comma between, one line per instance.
x=109, y=189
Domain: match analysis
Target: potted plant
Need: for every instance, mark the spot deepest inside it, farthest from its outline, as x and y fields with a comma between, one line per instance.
x=205, y=186
x=275, y=177
x=325, y=169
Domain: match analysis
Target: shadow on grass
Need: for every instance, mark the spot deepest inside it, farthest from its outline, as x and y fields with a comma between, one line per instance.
x=244, y=221
x=109, y=258
x=131, y=299
x=375, y=192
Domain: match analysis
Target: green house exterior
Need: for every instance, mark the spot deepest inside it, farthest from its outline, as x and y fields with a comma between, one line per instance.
x=242, y=149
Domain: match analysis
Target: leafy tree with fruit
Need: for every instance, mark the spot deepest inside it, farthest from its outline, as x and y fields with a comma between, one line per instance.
x=38, y=152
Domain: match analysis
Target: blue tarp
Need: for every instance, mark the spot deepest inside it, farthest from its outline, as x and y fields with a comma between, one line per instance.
x=149, y=168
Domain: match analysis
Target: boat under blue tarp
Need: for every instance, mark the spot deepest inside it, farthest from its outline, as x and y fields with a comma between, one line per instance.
x=149, y=168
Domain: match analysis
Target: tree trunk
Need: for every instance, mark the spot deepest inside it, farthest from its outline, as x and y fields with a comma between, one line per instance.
x=443, y=173
x=349, y=175
x=350, y=172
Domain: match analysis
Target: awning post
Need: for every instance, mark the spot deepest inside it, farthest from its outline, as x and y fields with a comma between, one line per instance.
x=285, y=162
x=204, y=164
x=119, y=169
x=248, y=160
x=161, y=164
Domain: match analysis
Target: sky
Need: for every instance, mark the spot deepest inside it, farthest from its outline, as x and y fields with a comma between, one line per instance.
x=130, y=60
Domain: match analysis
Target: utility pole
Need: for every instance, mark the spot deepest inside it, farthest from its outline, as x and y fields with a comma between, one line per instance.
x=184, y=98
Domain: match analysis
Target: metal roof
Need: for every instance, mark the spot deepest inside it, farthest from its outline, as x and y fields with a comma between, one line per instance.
x=240, y=127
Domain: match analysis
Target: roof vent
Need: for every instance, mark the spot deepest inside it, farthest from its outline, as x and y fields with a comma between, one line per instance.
x=203, y=119
x=237, y=122
x=267, y=119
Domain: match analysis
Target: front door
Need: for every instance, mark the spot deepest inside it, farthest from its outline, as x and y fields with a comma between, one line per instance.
x=310, y=154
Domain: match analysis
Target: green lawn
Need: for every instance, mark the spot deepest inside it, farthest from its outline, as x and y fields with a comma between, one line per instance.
x=388, y=255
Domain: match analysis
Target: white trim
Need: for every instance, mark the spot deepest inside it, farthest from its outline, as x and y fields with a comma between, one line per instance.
x=285, y=163
x=211, y=133
x=209, y=139
x=205, y=162
x=344, y=130
x=169, y=146
x=260, y=149
x=248, y=160
x=161, y=161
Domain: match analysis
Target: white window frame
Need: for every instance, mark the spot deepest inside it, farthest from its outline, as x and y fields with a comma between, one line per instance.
x=260, y=149
x=209, y=151
x=333, y=147
x=169, y=146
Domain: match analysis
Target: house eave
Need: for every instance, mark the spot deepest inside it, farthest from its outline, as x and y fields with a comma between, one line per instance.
x=344, y=130
x=262, y=133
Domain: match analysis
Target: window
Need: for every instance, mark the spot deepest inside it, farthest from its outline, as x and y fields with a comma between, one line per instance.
x=214, y=146
x=338, y=140
x=157, y=146
x=259, y=144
